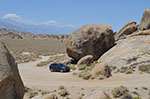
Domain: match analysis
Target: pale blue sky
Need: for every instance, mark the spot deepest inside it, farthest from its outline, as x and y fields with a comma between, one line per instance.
x=74, y=13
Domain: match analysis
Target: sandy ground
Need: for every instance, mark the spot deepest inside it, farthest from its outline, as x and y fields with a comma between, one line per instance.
x=41, y=78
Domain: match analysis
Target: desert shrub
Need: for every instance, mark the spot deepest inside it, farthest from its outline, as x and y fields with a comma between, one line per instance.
x=129, y=71
x=20, y=58
x=144, y=69
x=61, y=87
x=80, y=97
x=51, y=96
x=45, y=92
x=119, y=91
x=123, y=69
x=144, y=88
x=74, y=73
x=82, y=67
x=32, y=94
x=113, y=68
x=94, y=63
x=85, y=75
x=72, y=67
x=63, y=93
x=137, y=97
x=27, y=89
x=127, y=96
x=43, y=63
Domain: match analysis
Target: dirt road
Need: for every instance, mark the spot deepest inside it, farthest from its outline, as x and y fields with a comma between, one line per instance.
x=42, y=78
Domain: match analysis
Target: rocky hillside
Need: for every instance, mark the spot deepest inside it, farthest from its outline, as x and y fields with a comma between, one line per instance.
x=129, y=47
x=25, y=35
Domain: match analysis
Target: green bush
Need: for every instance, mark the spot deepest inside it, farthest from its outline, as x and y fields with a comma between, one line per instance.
x=137, y=97
x=129, y=71
x=61, y=87
x=82, y=67
x=63, y=93
x=113, y=68
x=45, y=92
x=43, y=63
x=72, y=67
x=85, y=75
x=119, y=91
x=127, y=96
x=144, y=69
x=32, y=94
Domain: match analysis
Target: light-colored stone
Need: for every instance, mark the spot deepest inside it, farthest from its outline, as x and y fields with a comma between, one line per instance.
x=101, y=69
x=11, y=85
x=91, y=39
x=127, y=29
x=145, y=22
x=132, y=51
x=50, y=96
x=87, y=60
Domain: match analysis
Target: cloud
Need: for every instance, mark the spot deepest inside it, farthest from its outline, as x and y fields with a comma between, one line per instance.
x=71, y=26
x=19, y=19
x=11, y=15
x=50, y=22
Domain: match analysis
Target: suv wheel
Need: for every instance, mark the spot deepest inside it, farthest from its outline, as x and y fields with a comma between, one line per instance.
x=61, y=70
x=52, y=70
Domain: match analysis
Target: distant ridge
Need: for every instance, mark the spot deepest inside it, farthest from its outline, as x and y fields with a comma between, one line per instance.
x=37, y=29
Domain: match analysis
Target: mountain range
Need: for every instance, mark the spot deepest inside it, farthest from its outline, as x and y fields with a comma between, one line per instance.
x=37, y=29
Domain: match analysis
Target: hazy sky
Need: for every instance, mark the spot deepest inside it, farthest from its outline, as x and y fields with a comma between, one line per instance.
x=74, y=13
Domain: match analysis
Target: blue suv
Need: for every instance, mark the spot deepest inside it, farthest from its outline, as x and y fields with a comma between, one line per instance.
x=59, y=67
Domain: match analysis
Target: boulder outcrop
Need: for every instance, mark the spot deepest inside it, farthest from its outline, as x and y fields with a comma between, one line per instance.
x=91, y=39
x=101, y=69
x=145, y=22
x=127, y=29
x=87, y=60
x=132, y=51
x=11, y=85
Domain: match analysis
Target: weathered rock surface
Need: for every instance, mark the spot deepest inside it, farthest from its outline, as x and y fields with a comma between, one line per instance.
x=11, y=85
x=127, y=29
x=145, y=22
x=87, y=60
x=132, y=51
x=101, y=69
x=51, y=96
x=98, y=95
x=91, y=39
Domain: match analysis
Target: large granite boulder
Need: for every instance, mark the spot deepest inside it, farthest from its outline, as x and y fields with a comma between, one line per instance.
x=132, y=51
x=145, y=22
x=11, y=85
x=91, y=39
x=127, y=29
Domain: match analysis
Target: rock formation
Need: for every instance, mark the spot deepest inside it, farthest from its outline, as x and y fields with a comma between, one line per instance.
x=11, y=85
x=87, y=60
x=127, y=29
x=145, y=22
x=91, y=39
x=101, y=69
x=132, y=51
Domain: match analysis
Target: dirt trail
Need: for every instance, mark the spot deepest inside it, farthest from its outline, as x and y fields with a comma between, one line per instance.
x=42, y=78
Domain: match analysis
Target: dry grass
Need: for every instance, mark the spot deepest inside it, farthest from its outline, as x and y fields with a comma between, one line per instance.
x=48, y=46
x=45, y=47
x=53, y=59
